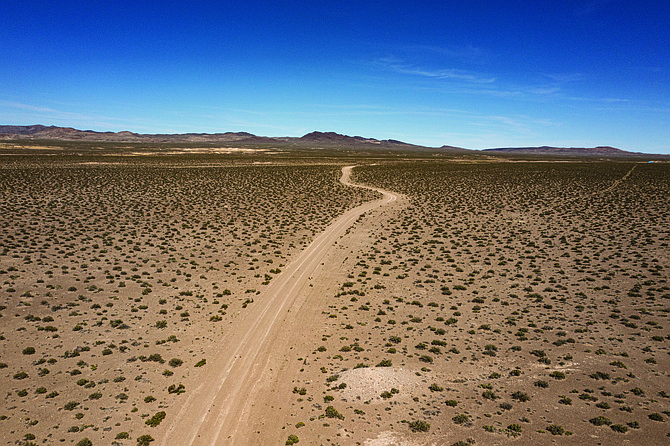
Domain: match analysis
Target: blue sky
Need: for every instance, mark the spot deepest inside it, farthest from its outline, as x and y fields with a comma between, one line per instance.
x=475, y=74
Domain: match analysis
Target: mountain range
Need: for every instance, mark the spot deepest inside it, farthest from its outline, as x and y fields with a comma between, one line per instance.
x=316, y=139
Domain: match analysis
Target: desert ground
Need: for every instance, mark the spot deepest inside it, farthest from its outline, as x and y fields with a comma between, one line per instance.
x=490, y=302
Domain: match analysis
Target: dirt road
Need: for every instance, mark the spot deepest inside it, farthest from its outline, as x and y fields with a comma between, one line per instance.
x=214, y=412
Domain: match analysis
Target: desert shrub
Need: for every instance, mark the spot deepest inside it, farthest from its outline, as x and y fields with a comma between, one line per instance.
x=461, y=419
x=451, y=403
x=435, y=388
x=292, y=439
x=331, y=412
x=175, y=362
x=600, y=375
x=28, y=351
x=144, y=440
x=385, y=363
x=600, y=421
x=555, y=429
x=178, y=389
x=541, y=384
x=557, y=375
x=619, y=428
x=520, y=396
x=565, y=400
x=301, y=391
x=71, y=405
x=419, y=426
x=122, y=436
x=332, y=378
x=656, y=417
x=84, y=442
x=200, y=363
x=156, y=419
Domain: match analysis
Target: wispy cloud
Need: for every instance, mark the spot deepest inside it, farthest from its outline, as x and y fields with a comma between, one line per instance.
x=565, y=77
x=592, y=6
x=398, y=66
x=11, y=111
x=466, y=53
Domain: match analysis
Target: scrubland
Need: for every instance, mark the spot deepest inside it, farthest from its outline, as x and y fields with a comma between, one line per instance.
x=118, y=280
x=506, y=303
x=495, y=303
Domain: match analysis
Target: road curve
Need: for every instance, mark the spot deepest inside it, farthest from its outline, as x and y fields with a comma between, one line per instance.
x=212, y=412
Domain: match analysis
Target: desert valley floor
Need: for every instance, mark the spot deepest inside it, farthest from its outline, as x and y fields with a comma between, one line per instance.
x=493, y=302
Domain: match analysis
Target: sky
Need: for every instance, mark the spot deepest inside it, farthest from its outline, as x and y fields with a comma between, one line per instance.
x=474, y=74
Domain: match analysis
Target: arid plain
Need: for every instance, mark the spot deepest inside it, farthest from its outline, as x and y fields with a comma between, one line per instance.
x=494, y=302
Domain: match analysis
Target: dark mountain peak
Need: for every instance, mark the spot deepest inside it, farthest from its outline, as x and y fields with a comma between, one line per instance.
x=565, y=151
x=324, y=136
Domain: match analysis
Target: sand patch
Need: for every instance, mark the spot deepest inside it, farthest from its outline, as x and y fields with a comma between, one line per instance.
x=367, y=384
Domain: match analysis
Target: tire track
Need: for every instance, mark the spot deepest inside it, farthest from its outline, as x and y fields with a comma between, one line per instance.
x=213, y=412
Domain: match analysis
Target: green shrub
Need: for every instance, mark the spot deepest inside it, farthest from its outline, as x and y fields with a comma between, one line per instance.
x=419, y=426
x=176, y=389
x=71, y=405
x=175, y=362
x=144, y=440
x=656, y=417
x=156, y=419
x=600, y=421
x=451, y=403
x=461, y=419
x=520, y=396
x=555, y=429
x=331, y=412
x=292, y=439
x=84, y=442
x=385, y=363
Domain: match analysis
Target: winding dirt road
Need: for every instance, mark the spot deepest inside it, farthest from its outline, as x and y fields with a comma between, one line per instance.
x=213, y=413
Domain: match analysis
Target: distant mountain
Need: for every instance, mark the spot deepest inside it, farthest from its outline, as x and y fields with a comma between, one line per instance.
x=565, y=151
x=336, y=138
x=313, y=140
x=310, y=140
x=70, y=134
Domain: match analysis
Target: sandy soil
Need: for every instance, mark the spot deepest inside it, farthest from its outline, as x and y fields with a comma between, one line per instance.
x=491, y=303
